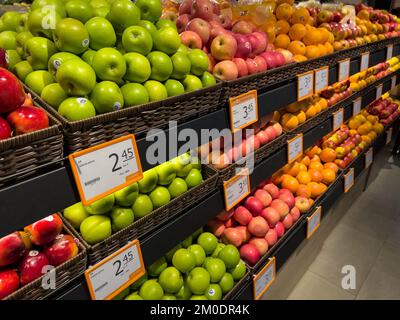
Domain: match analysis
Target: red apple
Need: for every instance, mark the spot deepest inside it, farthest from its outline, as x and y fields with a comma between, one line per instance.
x=242, y=215
x=226, y=21
x=216, y=9
x=12, y=94
x=31, y=266
x=202, y=9
x=223, y=47
x=271, y=132
x=287, y=222
x=261, y=63
x=216, y=227
x=263, y=137
x=302, y=204
x=271, y=237
x=61, y=250
x=245, y=233
x=295, y=213
x=182, y=22
x=185, y=7
x=264, y=197
x=44, y=231
x=270, y=59
x=230, y=223
x=241, y=66
x=232, y=236
x=269, y=47
x=9, y=282
x=191, y=39
x=258, y=226
x=272, y=189
x=287, y=55
x=252, y=66
x=288, y=198
x=250, y=254
x=280, y=229
x=261, y=244
x=281, y=207
x=5, y=130
x=278, y=128
x=243, y=27
x=244, y=48
x=225, y=70
x=13, y=247
x=27, y=119
x=3, y=59
x=271, y=215
x=201, y=27
x=279, y=58
x=225, y=215
x=253, y=205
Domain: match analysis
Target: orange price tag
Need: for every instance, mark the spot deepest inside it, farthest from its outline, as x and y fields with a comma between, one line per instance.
x=344, y=69
x=321, y=79
x=348, y=180
x=112, y=275
x=236, y=189
x=243, y=110
x=264, y=279
x=313, y=222
x=106, y=168
x=295, y=148
x=305, y=85
x=364, y=61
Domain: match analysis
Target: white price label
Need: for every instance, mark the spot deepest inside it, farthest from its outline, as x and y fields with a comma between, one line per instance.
x=243, y=110
x=338, y=117
x=369, y=155
x=389, y=52
x=313, y=222
x=106, y=168
x=295, y=148
x=389, y=133
x=379, y=90
x=264, y=279
x=236, y=189
x=357, y=106
x=115, y=273
x=393, y=83
x=348, y=180
x=321, y=79
x=344, y=69
x=364, y=61
x=305, y=85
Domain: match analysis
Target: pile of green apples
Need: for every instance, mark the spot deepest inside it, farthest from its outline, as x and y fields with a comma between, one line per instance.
x=200, y=268
x=159, y=185
x=88, y=57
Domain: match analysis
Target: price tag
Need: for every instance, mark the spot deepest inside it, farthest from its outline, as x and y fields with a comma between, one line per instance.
x=389, y=52
x=313, y=222
x=344, y=69
x=369, y=157
x=338, y=117
x=106, y=168
x=295, y=148
x=236, y=189
x=115, y=273
x=305, y=85
x=364, y=61
x=393, y=83
x=357, y=106
x=243, y=110
x=379, y=90
x=348, y=180
x=321, y=79
x=389, y=133
x=264, y=279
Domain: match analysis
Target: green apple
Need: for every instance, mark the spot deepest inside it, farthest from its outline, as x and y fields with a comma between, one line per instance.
x=38, y=80
x=184, y=292
x=97, y=3
x=185, y=165
x=95, y=229
x=168, y=297
x=198, y=280
x=216, y=268
x=196, y=163
x=208, y=242
x=101, y=33
x=21, y=39
x=149, y=181
x=133, y=296
x=11, y=20
x=171, y=252
x=180, y=65
x=205, y=261
x=76, y=77
x=187, y=242
x=182, y=49
x=21, y=27
x=22, y=69
x=71, y=36
x=142, y=206
x=123, y=14
x=151, y=290
x=226, y=283
x=166, y=173
x=137, y=39
x=167, y=40
x=194, y=178
x=177, y=187
x=7, y=40
x=75, y=109
x=208, y=80
x=2, y=26
x=184, y=260
x=109, y=64
x=162, y=23
x=213, y=292
x=160, y=197
x=150, y=9
x=199, y=253
x=126, y=197
x=121, y=218
x=88, y=56
x=217, y=250
x=161, y=65
x=174, y=87
x=75, y=214
x=238, y=271
x=101, y=12
x=155, y=269
x=156, y=90
x=137, y=284
x=192, y=83
x=138, y=68
x=171, y=280
x=148, y=25
x=38, y=51
x=134, y=94
x=229, y=255
x=199, y=61
x=13, y=58
x=79, y=10
x=198, y=297
x=102, y=206
x=42, y=23
x=56, y=60
x=106, y=97
x=43, y=4
x=54, y=95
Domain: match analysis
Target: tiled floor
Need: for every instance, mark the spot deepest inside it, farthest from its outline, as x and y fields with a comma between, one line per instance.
x=366, y=236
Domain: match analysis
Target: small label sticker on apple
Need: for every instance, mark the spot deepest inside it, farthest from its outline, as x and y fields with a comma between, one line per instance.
x=117, y=106
x=85, y=42
x=56, y=64
x=49, y=218
x=33, y=253
x=81, y=100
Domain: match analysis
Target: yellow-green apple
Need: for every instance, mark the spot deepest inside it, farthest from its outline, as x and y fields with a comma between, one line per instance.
x=88, y=56
x=149, y=181
x=45, y=230
x=192, y=83
x=216, y=268
x=21, y=39
x=142, y=206
x=302, y=204
x=160, y=196
x=171, y=280
x=138, y=68
x=177, y=187
x=185, y=7
x=42, y=5
x=241, y=66
x=261, y=244
x=95, y=229
x=123, y=14
x=75, y=214
x=166, y=40
x=183, y=49
x=148, y=25
x=13, y=247
x=79, y=9
x=174, y=87
x=242, y=215
x=271, y=215
x=194, y=178
x=208, y=80
x=57, y=59
x=281, y=207
x=208, y=242
x=150, y=9
x=12, y=93
x=201, y=27
x=199, y=61
x=31, y=266
x=12, y=20
x=5, y=129
x=163, y=23
x=202, y=9
x=198, y=252
x=106, y=97
x=182, y=22
x=226, y=283
x=134, y=94
x=75, y=109
x=61, y=250
x=183, y=164
x=198, y=280
x=151, y=290
x=191, y=39
x=184, y=260
x=42, y=23
x=102, y=206
x=156, y=90
x=250, y=254
x=76, y=77
x=243, y=27
x=180, y=65
x=216, y=226
x=13, y=58
x=98, y=3
x=137, y=39
x=253, y=205
x=271, y=237
x=225, y=70
x=161, y=65
x=38, y=51
x=101, y=11
x=126, y=197
x=121, y=218
x=101, y=33
x=223, y=47
x=166, y=173
x=258, y=226
x=109, y=64
x=9, y=282
x=38, y=80
x=7, y=40
x=27, y=119
x=71, y=35
x=244, y=48
x=238, y=271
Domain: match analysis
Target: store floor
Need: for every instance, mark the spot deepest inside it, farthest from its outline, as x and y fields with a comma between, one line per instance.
x=361, y=231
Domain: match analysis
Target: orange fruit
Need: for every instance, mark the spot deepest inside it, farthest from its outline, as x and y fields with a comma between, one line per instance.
x=313, y=151
x=284, y=11
x=328, y=176
x=316, y=158
x=299, y=58
x=331, y=165
x=303, y=177
x=329, y=48
x=306, y=160
x=322, y=50
x=313, y=36
x=314, y=189
x=301, y=116
x=290, y=183
x=282, y=27
x=303, y=191
x=297, y=31
x=289, y=121
x=317, y=108
x=282, y=41
x=285, y=1
x=311, y=111
x=312, y=52
x=323, y=103
x=300, y=15
x=316, y=175
x=328, y=155
x=297, y=47
x=294, y=169
x=316, y=165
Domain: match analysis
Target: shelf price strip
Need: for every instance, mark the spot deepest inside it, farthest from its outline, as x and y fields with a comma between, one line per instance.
x=389, y=51
x=338, y=117
x=295, y=148
x=236, y=189
x=305, y=85
x=243, y=110
x=321, y=77
x=348, y=180
x=264, y=279
x=369, y=157
x=364, y=61
x=379, y=90
x=344, y=69
x=393, y=83
x=313, y=222
x=106, y=168
x=357, y=106
x=112, y=275
x=389, y=133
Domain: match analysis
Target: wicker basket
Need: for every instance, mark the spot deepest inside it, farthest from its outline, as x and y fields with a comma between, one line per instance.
x=147, y=224
x=64, y=273
x=238, y=286
x=22, y=155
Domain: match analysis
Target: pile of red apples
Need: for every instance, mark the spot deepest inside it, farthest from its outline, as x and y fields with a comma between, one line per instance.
x=386, y=110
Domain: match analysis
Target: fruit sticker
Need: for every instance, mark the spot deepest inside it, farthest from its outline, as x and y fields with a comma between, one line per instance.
x=344, y=70
x=338, y=117
x=348, y=180
x=313, y=222
x=305, y=85
x=295, y=148
x=389, y=51
x=243, y=110
x=357, y=106
x=236, y=189
x=264, y=279
x=369, y=157
x=321, y=79
x=106, y=168
x=364, y=61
